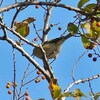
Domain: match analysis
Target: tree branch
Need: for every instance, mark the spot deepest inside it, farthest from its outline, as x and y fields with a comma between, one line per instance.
x=18, y=10
x=14, y=82
x=47, y=66
x=80, y=81
x=42, y=3
x=18, y=35
x=46, y=22
x=24, y=53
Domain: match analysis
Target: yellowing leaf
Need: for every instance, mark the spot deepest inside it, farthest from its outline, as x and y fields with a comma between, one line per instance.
x=22, y=28
x=81, y=3
x=78, y=93
x=95, y=27
x=86, y=26
x=92, y=33
x=72, y=28
x=54, y=89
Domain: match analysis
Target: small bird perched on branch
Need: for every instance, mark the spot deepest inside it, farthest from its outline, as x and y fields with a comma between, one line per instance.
x=51, y=47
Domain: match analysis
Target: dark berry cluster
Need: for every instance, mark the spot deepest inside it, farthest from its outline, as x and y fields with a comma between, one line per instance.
x=94, y=58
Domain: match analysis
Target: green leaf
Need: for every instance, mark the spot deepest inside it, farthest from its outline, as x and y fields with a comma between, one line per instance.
x=87, y=43
x=96, y=96
x=89, y=7
x=67, y=94
x=78, y=93
x=72, y=28
x=81, y=3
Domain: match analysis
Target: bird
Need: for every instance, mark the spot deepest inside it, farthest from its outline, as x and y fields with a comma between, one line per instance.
x=51, y=47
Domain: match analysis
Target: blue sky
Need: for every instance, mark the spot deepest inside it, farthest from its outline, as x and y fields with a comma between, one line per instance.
x=71, y=50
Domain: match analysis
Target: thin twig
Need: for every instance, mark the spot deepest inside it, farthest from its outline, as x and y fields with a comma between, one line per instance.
x=36, y=31
x=3, y=28
x=14, y=87
x=73, y=69
x=30, y=81
x=18, y=10
x=22, y=81
x=91, y=88
x=96, y=53
x=1, y=2
x=31, y=72
x=46, y=63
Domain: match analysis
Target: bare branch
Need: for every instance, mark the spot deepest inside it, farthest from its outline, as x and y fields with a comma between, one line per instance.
x=80, y=81
x=46, y=23
x=30, y=81
x=46, y=63
x=22, y=81
x=42, y=3
x=36, y=31
x=15, y=17
x=24, y=53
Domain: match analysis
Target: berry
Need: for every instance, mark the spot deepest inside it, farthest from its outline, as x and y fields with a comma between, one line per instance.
x=37, y=80
x=43, y=77
x=7, y=86
x=92, y=20
x=98, y=24
x=94, y=59
x=26, y=93
x=51, y=25
x=36, y=6
x=9, y=92
x=36, y=39
x=89, y=55
x=27, y=98
x=9, y=83
x=59, y=28
x=38, y=72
